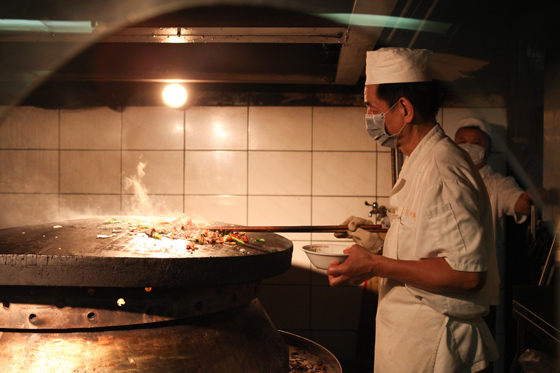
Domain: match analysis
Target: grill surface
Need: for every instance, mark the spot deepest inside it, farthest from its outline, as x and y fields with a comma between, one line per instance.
x=73, y=255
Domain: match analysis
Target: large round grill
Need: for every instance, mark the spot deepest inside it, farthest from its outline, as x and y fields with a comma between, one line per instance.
x=89, y=295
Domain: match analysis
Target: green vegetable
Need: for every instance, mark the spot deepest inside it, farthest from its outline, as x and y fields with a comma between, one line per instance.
x=241, y=242
x=260, y=240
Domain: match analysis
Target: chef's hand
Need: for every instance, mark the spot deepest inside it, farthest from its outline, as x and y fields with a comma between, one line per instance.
x=369, y=240
x=532, y=196
x=357, y=268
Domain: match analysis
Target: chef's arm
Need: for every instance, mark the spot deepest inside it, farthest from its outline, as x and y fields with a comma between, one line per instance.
x=433, y=274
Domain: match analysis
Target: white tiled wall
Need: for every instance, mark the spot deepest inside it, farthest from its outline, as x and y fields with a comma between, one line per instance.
x=280, y=128
x=243, y=165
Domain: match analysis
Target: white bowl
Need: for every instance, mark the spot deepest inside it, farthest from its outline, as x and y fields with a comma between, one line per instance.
x=323, y=255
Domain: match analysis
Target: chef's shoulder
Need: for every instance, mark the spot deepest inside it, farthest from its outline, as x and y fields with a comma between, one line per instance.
x=453, y=163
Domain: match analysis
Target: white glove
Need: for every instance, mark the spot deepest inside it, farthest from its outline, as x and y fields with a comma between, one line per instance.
x=345, y=222
x=369, y=240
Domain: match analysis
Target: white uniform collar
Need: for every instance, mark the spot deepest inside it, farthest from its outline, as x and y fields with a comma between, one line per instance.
x=421, y=151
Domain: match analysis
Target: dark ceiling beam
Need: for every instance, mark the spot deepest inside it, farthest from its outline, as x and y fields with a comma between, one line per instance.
x=297, y=35
x=197, y=77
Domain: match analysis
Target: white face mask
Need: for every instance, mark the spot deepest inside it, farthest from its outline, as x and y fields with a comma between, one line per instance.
x=375, y=126
x=475, y=151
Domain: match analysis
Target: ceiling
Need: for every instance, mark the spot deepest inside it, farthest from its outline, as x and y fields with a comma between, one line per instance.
x=311, y=42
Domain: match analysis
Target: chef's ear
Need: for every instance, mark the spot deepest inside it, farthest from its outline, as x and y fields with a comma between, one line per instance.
x=407, y=108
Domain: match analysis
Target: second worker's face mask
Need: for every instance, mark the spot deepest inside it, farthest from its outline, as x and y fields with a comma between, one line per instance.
x=475, y=151
x=375, y=125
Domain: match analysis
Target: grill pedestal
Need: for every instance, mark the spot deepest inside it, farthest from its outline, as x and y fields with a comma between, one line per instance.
x=240, y=339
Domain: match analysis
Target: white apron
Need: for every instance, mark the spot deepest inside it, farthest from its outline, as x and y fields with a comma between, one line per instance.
x=398, y=317
x=414, y=337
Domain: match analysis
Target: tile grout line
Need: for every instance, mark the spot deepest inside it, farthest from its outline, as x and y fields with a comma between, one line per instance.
x=247, y=129
x=59, y=166
x=121, y=162
x=184, y=160
x=310, y=293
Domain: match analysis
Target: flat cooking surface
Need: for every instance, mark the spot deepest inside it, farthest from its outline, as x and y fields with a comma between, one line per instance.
x=102, y=251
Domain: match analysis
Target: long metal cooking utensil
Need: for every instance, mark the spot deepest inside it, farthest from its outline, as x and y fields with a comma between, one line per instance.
x=292, y=228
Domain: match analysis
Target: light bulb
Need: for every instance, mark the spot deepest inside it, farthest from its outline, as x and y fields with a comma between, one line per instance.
x=174, y=95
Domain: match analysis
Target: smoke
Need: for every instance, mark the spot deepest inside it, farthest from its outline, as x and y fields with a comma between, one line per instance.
x=141, y=202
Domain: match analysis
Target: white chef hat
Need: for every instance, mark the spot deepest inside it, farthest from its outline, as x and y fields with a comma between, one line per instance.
x=473, y=122
x=398, y=65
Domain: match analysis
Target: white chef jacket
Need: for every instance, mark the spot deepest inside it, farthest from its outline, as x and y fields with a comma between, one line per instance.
x=504, y=193
x=441, y=210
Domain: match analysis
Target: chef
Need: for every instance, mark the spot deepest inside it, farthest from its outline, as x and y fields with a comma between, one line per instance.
x=506, y=197
x=438, y=266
